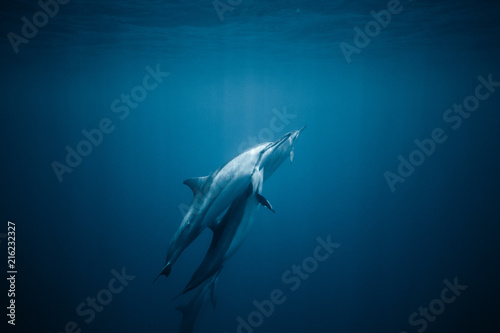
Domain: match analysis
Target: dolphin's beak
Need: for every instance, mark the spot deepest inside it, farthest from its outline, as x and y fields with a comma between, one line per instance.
x=294, y=137
x=297, y=132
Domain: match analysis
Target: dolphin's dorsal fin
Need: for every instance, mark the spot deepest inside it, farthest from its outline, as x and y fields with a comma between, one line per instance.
x=263, y=201
x=195, y=183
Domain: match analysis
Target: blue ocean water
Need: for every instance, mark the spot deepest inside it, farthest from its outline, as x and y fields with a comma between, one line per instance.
x=200, y=90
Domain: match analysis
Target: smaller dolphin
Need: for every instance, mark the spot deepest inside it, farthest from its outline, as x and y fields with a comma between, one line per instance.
x=237, y=221
x=192, y=308
x=272, y=157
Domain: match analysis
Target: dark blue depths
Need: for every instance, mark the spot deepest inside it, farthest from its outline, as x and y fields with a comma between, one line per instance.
x=109, y=106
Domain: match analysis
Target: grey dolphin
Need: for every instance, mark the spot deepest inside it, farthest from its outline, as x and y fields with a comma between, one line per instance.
x=192, y=308
x=214, y=193
x=232, y=230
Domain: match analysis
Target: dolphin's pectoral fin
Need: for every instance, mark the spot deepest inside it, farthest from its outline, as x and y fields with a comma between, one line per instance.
x=195, y=183
x=216, y=225
x=263, y=201
x=165, y=271
x=291, y=156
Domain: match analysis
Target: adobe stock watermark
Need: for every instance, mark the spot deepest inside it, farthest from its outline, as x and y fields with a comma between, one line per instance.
x=222, y=7
x=88, y=309
x=120, y=106
x=276, y=125
x=40, y=19
x=372, y=29
x=426, y=147
x=292, y=278
x=425, y=315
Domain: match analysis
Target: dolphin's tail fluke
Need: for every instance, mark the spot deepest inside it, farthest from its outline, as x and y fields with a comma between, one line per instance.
x=190, y=310
x=165, y=271
x=187, y=288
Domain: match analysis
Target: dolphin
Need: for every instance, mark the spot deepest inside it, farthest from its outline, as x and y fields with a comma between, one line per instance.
x=214, y=193
x=237, y=221
x=232, y=230
x=192, y=308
